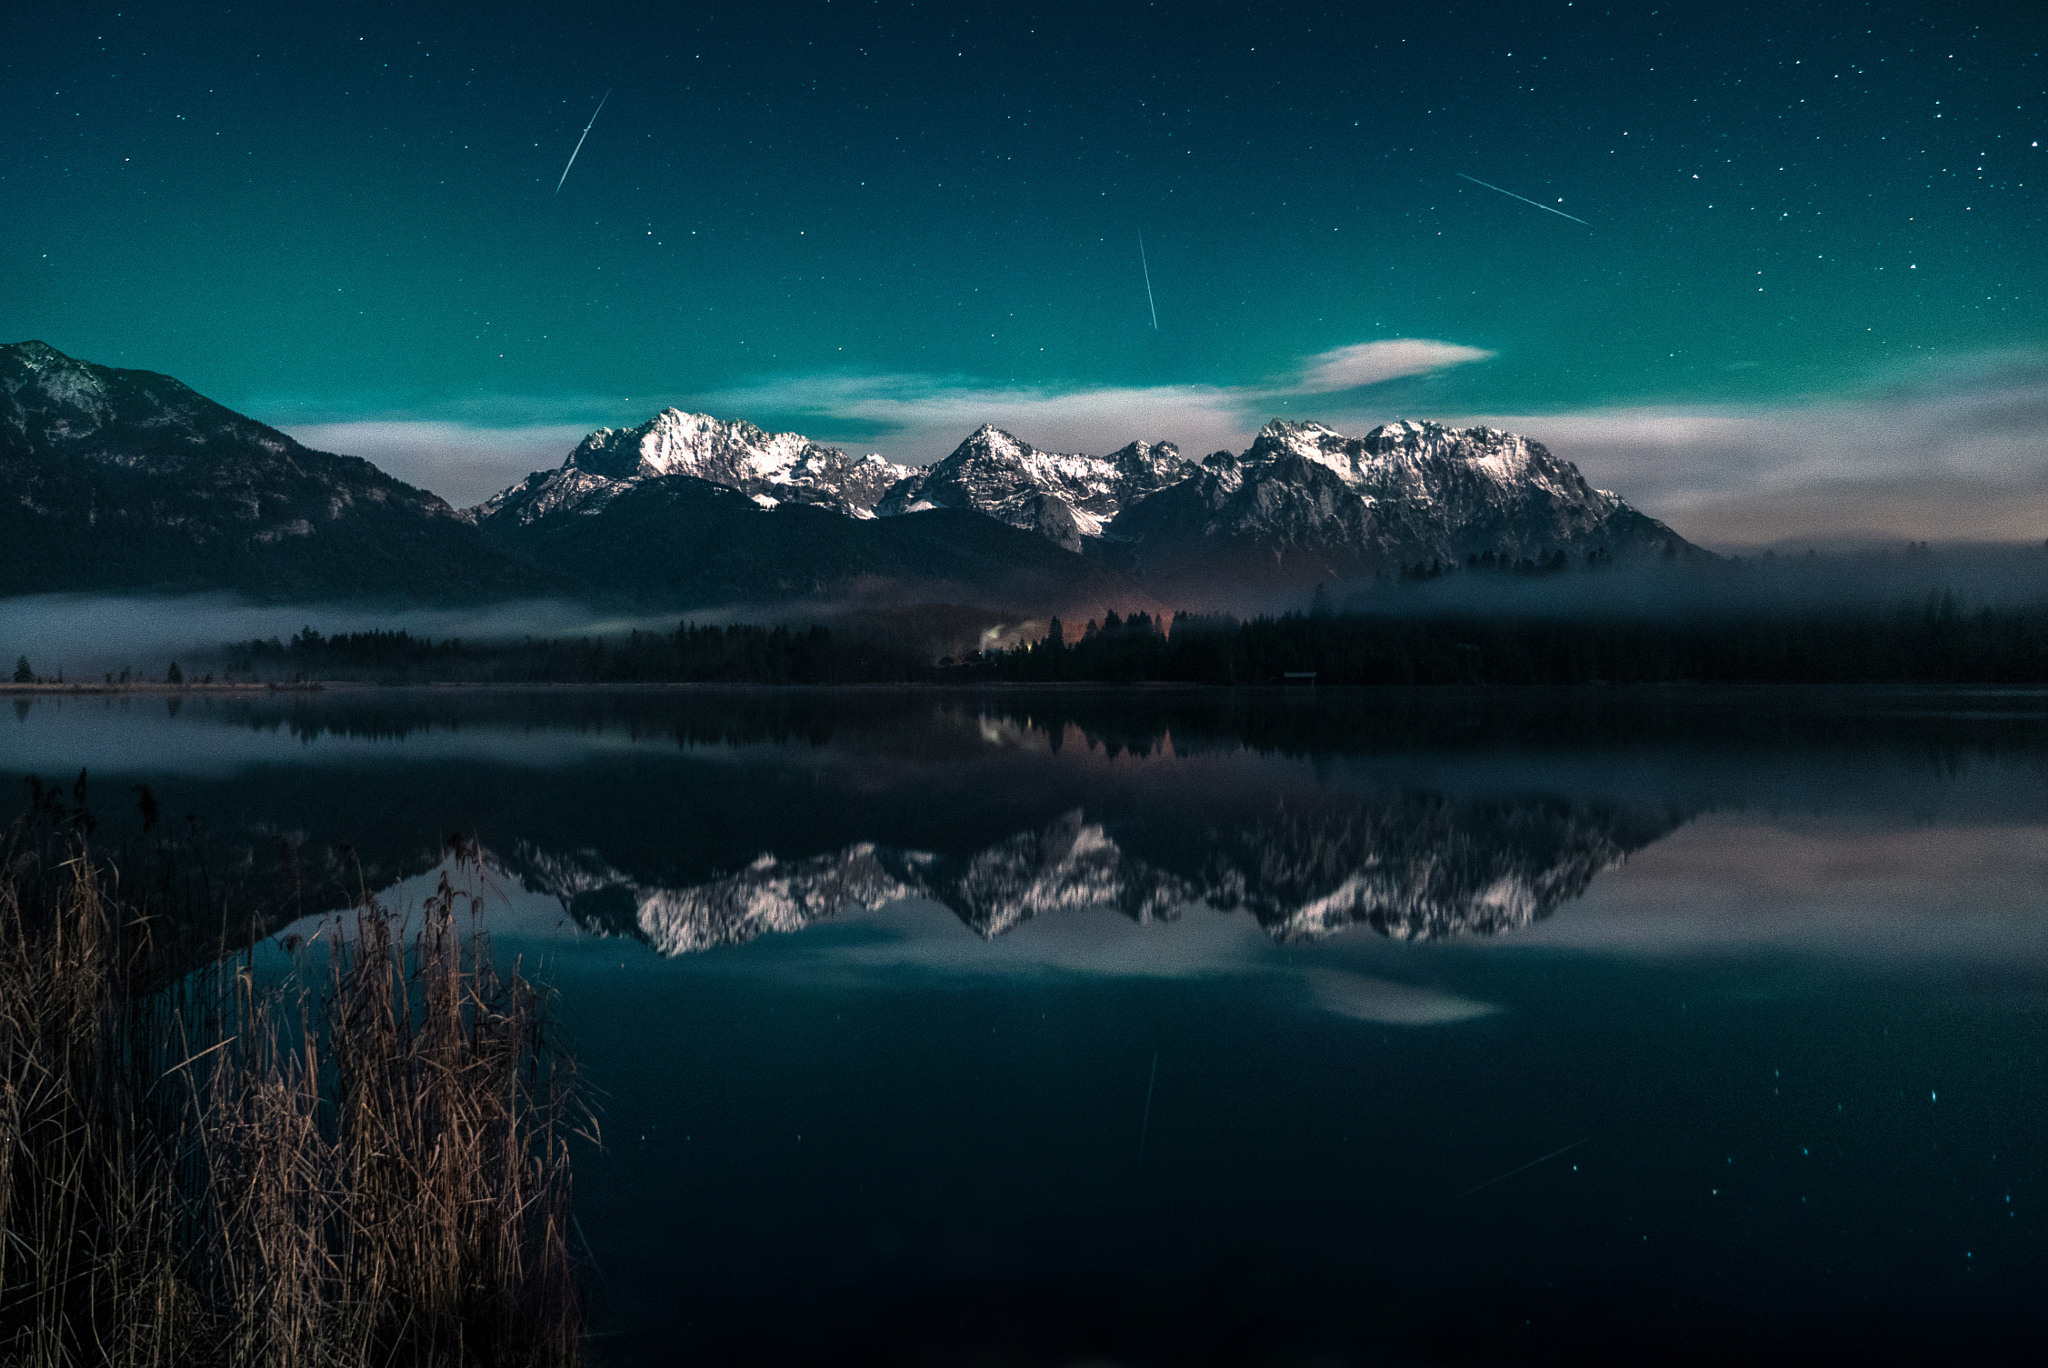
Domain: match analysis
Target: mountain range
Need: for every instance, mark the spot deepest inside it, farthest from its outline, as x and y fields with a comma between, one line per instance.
x=121, y=479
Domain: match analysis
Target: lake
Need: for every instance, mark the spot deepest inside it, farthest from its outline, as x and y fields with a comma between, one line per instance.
x=1168, y=1027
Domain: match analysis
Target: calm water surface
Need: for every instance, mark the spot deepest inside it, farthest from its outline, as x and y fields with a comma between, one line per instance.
x=1163, y=1028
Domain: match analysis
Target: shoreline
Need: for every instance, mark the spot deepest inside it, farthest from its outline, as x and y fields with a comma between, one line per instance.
x=354, y=686
x=145, y=687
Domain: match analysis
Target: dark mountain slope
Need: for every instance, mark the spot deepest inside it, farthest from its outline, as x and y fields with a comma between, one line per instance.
x=121, y=479
x=1287, y=522
x=682, y=542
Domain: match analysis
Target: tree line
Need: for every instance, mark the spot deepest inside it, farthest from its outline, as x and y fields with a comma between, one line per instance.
x=1938, y=641
x=737, y=654
x=1934, y=642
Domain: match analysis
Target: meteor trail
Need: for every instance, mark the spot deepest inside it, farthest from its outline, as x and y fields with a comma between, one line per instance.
x=1146, y=1129
x=1142, y=264
x=593, y=123
x=1512, y=195
x=1554, y=1153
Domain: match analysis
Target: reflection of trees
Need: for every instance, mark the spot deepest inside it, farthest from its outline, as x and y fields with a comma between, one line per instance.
x=200, y=888
x=1305, y=723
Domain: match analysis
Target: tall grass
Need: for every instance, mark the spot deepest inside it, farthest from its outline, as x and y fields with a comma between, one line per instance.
x=361, y=1162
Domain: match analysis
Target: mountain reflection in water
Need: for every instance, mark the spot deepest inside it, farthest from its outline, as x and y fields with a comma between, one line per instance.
x=699, y=818
x=1413, y=866
x=1436, y=1081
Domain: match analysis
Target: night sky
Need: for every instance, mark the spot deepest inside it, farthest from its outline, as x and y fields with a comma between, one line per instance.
x=1810, y=293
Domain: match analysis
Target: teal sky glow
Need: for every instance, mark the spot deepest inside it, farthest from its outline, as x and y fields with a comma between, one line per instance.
x=880, y=222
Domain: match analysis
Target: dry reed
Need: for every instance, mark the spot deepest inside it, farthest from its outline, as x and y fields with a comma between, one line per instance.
x=364, y=1162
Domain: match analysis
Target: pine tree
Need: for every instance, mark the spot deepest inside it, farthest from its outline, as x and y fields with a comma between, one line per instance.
x=22, y=673
x=176, y=676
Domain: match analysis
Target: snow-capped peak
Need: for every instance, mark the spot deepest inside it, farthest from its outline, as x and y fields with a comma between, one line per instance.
x=773, y=467
x=1409, y=459
x=1065, y=496
x=677, y=443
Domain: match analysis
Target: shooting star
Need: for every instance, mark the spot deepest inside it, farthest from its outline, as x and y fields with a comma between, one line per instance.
x=1146, y=1130
x=1523, y=198
x=1524, y=1168
x=579, y=142
x=1147, y=268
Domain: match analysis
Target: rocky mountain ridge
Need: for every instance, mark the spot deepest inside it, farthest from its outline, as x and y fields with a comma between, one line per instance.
x=678, y=541
x=1067, y=498
x=1305, y=504
x=771, y=467
x=1432, y=483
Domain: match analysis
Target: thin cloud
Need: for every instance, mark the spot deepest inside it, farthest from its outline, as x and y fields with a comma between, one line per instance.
x=463, y=463
x=1955, y=464
x=1390, y=1003
x=1373, y=363
x=923, y=417
x=1923, y=893
x=94, y=633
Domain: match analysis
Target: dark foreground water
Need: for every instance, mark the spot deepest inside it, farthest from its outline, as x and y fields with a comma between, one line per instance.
x=1180, y=1028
